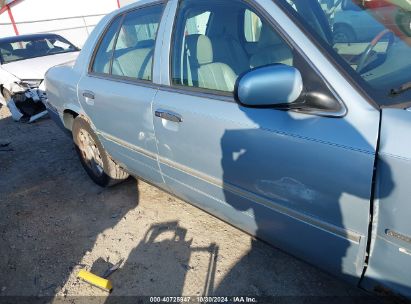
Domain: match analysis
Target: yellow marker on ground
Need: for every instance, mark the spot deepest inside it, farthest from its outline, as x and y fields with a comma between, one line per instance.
x=95, y=280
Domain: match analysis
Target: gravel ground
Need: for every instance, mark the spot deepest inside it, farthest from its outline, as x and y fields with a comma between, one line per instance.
x=54, y=221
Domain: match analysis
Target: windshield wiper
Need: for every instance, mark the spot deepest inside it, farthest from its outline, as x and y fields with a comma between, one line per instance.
x=401, y=89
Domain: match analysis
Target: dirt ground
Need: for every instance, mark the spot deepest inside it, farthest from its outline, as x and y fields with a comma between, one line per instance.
x=54, y=221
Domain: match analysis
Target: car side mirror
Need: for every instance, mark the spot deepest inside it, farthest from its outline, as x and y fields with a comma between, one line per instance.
x=269, y=86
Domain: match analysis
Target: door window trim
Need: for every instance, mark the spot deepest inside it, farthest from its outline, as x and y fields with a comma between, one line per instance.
x=229, y=96
x=100, y=41
x=122, y=15
x=125, y=80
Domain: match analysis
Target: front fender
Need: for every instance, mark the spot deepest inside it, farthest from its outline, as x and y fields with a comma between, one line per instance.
x=389, y=265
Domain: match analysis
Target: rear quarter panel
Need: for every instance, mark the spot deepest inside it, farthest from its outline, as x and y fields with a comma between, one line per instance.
x=61, y=85
x=61, y=81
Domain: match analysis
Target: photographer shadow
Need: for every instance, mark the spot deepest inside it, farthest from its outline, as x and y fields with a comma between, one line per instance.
x=159, y=265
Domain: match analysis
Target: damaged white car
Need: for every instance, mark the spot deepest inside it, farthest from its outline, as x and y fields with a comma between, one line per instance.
x=24, y=60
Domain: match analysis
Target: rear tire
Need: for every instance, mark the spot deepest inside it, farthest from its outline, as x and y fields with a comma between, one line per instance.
x=95, y=160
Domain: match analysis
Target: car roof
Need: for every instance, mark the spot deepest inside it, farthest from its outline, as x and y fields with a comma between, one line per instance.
x=26, y=37
x=135, y=4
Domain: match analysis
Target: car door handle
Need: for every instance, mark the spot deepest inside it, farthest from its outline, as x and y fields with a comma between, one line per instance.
x=167, y=115
x=88, y=94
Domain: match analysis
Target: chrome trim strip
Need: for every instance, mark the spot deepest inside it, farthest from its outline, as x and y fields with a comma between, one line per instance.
x=127, y=145
x=338, y=231
x=398, y=236
x=125, y=80
x=341, y=232
x=198, y=92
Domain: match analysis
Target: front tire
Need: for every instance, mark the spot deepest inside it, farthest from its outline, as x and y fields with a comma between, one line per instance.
x=95, y=160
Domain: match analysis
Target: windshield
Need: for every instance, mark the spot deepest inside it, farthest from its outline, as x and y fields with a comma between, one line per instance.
x=371, y=39
x=35, y=47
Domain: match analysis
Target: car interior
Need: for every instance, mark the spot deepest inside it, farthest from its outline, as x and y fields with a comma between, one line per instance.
x=9, y=53
x=214, y=50
x=134, y=48
x=26, y=49
x=202, y=70
x=383, y=60
x=6, y=50
x=211, y=57
x=37, y=47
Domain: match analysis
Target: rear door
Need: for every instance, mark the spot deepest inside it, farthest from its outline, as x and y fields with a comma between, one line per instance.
x=118, y=90
x=301, y=181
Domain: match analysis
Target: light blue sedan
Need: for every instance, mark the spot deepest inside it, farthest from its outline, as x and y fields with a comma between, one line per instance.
x=248, y=110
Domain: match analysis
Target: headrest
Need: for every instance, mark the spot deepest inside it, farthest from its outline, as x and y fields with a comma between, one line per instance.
x=38, y=45
x=200, y=48
x=268, y=37
x=145, y=44
x=7, y=47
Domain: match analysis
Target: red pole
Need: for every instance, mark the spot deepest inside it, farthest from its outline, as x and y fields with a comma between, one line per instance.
x=12, y=20
x=118, y=3
x=3, y=9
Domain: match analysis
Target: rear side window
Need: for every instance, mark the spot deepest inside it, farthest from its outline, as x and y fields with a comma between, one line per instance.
x=127, y=48
x=102, y=58
x=134, y=51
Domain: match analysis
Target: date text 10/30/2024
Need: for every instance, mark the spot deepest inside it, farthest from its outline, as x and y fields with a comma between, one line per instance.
x=203, y=300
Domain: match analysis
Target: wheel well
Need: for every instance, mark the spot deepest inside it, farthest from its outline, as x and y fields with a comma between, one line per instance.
x=68, y=118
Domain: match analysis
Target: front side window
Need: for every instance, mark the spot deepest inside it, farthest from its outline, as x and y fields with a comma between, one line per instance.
x=127, y=48
x=197, y=24
x=370, y=39
x=213, y=47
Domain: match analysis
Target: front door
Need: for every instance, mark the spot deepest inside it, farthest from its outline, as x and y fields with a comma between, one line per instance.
x=300, y=181
x=117, y=94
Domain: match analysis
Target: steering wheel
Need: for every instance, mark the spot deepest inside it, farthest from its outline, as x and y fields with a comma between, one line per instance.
x=368, y=51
